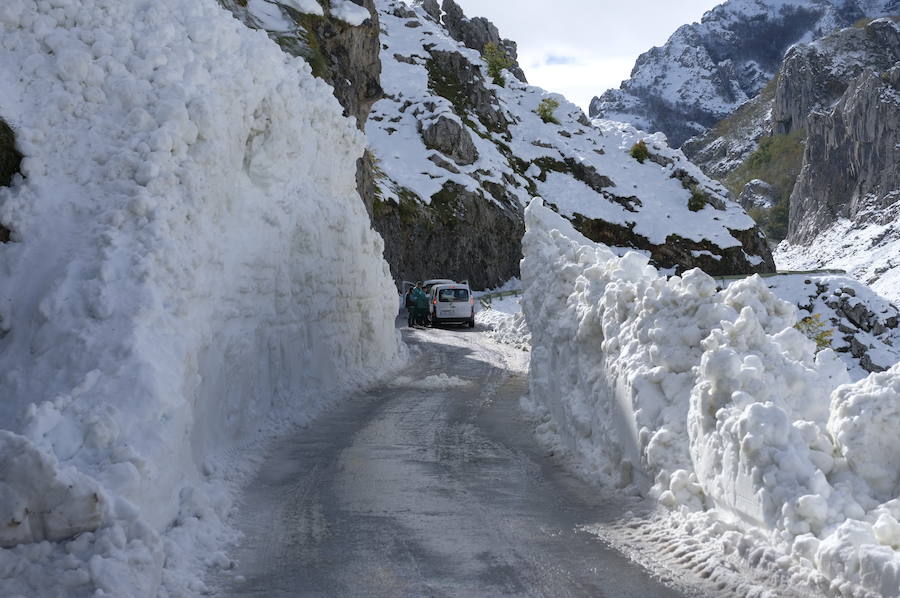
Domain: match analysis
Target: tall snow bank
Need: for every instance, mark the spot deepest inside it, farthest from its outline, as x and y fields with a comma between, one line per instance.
x=711, y=401
x=191, y=263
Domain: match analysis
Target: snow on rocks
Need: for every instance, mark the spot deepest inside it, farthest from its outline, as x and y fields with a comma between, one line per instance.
x=445, y=130
x=193, y=267
x=352, y=14
x=311, y=7
x=711, y=401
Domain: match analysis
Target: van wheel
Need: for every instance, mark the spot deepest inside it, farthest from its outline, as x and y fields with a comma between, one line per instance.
x=471, y=322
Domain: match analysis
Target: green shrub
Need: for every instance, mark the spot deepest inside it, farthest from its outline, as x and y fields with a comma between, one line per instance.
x=639, y=151
x=497, y=59
x=546, y=109
x=777, y=161
x=816, y=330
x=698, y=199
x=773, y=221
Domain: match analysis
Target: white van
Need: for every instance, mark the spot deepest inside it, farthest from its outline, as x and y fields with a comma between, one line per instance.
x=452, y=303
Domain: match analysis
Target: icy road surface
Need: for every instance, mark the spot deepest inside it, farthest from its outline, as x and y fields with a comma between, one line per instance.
x=432, y=485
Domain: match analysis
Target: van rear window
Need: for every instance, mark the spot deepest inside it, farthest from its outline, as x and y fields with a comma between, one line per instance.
x=453, y=295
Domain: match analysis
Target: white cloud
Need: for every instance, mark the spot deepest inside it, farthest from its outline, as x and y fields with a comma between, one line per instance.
x=581, y=48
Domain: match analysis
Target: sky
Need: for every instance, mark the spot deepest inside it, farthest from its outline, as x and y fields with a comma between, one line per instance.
x=581, y=48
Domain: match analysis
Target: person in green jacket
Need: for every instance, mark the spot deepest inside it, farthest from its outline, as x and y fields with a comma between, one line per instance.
x=421, y=300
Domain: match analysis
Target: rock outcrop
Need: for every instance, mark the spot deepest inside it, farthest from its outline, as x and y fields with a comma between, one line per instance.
x=815, y=75
x=478, y=32
x=757, y=194
x=765, y=138
x=706, y=70
x=865, y=328
x=851, y=168
x=343, y=54
x=845, y=208
x=450, y=137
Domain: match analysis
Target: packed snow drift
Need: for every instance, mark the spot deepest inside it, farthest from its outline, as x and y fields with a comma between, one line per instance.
x=191, y=265
x=712, y=401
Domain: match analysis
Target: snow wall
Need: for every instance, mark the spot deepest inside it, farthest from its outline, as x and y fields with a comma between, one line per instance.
x=711, y=400
x=191, y=265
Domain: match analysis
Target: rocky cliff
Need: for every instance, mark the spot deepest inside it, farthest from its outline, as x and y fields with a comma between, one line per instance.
x=706, y=70
x=812, y=76
x=847, y=197
x=764, y=139
x=851, y=168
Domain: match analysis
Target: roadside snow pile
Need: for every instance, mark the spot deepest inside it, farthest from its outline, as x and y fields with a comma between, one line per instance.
x=507, y=328
x=504, y=318
x=191, y=267
x=712, y=401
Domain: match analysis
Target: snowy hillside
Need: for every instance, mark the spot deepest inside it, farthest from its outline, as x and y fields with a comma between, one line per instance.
x=190, y=266
x=711, y=402
x=706, y=70
x=459, y=153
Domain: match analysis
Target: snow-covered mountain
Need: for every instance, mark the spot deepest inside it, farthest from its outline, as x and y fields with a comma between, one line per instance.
x=459, y=153
x=706, y=70
x=457, y=150
x=812, y=77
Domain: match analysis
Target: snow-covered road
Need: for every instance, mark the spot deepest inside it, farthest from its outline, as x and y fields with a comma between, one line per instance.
x=431, y=485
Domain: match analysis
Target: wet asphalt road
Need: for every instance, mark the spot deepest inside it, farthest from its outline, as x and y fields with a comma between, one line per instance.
x=409, y=492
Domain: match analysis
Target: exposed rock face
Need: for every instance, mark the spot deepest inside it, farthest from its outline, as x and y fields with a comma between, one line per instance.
x=757, y=194
x=459, y=235
x=681, y=254
x=345, y=56
x=451, y=138
x=851, y=167
x=814, y=76
x=10, y=161
x=454, y=77
x=707, y=70
x=865, y=326
x=432, y=9
x=477, y=32
x=724, y=147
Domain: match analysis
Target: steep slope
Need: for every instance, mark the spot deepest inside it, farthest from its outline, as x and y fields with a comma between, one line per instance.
x=706, y=70
x=461, y=151
x=190, y=268
x=762, y=143
x=847, y=197
x=812, y=77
